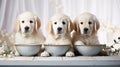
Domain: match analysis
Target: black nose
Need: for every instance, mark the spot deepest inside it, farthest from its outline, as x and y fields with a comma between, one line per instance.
x=85, y=30
x=59, y=28
x=26, y=28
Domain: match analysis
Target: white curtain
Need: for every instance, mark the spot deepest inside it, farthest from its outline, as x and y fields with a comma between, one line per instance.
x=107, y=11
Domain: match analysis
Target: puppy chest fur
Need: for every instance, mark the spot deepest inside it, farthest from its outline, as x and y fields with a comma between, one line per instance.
x=27, y=27
x=32, y=39
x=82, y=40
x=86, y=27
x=63, y=40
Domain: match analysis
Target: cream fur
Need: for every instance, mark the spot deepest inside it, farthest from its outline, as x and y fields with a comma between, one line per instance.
x=31, y=37
x=59, y=39
x=38, y=38
x=79, y=38
x=64, y=37
x=62, y=40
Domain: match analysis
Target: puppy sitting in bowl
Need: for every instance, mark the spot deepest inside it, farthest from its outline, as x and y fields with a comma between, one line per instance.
x=85, y=36
x=27, y=33
x=58, y=41
x=86, y=27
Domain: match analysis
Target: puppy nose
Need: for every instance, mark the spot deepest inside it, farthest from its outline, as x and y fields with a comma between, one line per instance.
x=26, y=28
x=59, y=28
x=85, y=29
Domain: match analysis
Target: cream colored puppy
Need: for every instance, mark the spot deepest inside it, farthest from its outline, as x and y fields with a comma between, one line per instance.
x=27, y=26
x=86, y=27
x=59, y=28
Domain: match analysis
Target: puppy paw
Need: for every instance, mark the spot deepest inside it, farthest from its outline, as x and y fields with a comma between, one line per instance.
x=79, y=43
x=17, y=54
x=70, y=54
x=1, y=56
x=4, y=55
x=10, y=55
x=45, y=54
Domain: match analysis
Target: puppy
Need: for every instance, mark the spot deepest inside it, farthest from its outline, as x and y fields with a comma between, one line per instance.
x=86, y=26
x=59, y=28
x=27, y=29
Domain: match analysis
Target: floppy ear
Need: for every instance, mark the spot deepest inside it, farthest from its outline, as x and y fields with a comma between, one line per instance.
x=70, y=26
x=96, y=25
x=76, y=26
x=49, y=27
x=17, y=25
x=37, y=23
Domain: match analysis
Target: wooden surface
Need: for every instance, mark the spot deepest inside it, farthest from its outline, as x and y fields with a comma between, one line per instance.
x=64, y=61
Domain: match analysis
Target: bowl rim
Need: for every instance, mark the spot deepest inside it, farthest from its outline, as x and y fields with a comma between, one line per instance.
x=55, y=45
x=93, y=45
x=28, y=45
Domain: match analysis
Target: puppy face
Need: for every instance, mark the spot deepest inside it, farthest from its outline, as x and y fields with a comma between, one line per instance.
x=27, y=23
x=59, y=24
x=86, y=24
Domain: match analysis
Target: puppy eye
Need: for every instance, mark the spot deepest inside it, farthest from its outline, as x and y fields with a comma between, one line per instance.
x=81, y=22
x=31, y=21
x=55, y=22
x=22, y=21
x=89, y=22
x=63, y=23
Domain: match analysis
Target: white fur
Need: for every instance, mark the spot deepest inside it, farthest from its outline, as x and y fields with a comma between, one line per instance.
x=30, y=37
x=55, y=38
x=30, y=40
x=59, y=38
x=62, y=40
x=90, y=38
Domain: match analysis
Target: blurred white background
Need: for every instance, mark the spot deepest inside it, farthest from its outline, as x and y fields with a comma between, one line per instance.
x=107, y=11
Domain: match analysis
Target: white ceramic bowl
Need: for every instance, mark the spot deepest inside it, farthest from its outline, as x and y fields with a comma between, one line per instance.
x=28, y=50
x=57, y=50
x=89, y=50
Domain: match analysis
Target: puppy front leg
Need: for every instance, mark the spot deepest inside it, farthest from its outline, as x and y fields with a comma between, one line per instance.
x=70, y=53
x=44, y=53
x=16, y=52
x=1, y=52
